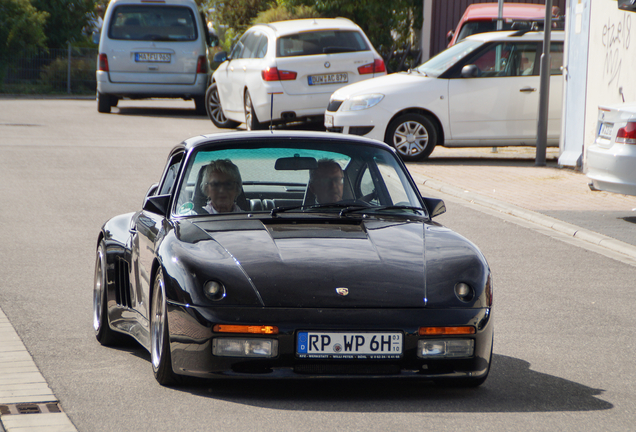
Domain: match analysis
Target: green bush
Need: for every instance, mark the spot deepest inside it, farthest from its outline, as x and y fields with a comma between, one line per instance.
x=54, y=76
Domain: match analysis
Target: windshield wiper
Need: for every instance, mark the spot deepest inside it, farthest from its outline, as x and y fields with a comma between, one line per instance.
x=344, y=206
x=383, y=208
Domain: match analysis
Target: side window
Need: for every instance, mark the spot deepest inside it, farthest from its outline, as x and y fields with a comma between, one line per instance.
x=494, y=61
x=367, y=188
x=261, y=51
x=251, y=44
x=238, y=48
x=556, y=58
x=170, y=174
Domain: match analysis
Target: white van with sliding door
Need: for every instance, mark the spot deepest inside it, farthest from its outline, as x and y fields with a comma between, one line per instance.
x=152, y=48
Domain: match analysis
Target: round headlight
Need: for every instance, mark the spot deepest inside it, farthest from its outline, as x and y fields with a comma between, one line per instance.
x=464, y=292
x=214, y=290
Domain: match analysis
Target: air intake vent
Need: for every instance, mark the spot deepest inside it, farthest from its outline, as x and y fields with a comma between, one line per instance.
x=122, y=291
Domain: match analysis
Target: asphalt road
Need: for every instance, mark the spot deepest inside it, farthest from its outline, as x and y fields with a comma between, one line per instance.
x=563, y=355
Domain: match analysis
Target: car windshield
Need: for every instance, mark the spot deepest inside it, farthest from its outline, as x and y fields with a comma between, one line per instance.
x=157, y=23
x=320, y=42
x=306, y=177
x=447, y=58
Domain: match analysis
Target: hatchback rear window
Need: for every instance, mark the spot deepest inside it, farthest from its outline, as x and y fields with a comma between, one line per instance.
x=320, y=42
x=156, y=23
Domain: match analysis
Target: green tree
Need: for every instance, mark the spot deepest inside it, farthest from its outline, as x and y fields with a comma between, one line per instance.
x=20, y=31
x=280, y=12
x=67, y=19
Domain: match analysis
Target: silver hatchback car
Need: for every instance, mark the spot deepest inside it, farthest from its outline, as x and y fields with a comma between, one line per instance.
x=152, y=49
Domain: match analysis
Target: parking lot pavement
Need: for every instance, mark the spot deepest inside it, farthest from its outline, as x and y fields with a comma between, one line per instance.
x=509, y=182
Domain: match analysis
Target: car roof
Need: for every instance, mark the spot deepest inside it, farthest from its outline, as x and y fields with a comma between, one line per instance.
x=277, y=136
x=154, y=2
x=477, y=11
x=283, y=28
x=556, y=35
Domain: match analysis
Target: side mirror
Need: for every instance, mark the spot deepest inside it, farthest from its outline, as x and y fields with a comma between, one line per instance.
x=470, y=71
x=95, y=37
x=220, y=57
x=157, y=204
x=449, y=35
x=434, y=206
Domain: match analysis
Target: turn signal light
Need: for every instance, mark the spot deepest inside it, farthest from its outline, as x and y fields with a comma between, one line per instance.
x=376, y=67
x=627, y=134
x=103, y=63
x=434, y=331
x=226, y=328
x=273, y=74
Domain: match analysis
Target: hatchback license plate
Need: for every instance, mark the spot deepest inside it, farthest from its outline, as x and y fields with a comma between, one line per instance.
x=152, y=57
x=349, y=345
x=606, y=130
x=335, y=78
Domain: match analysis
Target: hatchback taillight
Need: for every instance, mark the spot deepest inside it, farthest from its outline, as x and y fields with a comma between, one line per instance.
x=627, y=134
x=103, y=63
x=202, y=65
x=376, y=67
x=273, y=74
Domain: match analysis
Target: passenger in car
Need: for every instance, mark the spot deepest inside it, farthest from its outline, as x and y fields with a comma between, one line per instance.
x=222, y=184
x=326, y=181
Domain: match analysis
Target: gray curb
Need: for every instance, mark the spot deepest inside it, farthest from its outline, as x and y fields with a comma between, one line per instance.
x=534, y=217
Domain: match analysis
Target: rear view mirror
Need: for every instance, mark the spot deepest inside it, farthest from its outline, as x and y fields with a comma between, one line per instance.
x=296, y=163
x=434, y=206
x=470, y=71
x=220, y=57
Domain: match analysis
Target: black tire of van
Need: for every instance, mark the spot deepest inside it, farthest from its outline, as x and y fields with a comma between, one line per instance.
x=103, y=103
x=199, y=105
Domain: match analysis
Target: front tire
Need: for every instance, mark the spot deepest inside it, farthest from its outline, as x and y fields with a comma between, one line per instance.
x=101, y=324
x=251, y=121
x=103, y=103
x=214, y=109
x=159, y=343
x=414, y=136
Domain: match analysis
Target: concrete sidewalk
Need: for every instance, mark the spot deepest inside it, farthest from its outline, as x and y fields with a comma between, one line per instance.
x=557, y=198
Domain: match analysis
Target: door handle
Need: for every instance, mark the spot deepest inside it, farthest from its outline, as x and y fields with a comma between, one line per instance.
x=527, y=89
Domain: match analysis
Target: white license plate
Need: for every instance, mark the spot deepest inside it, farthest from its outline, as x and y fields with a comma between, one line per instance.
x=606, y=130
x=152, y=57
x=335, y=78
x=328, y=120
x=349, y=345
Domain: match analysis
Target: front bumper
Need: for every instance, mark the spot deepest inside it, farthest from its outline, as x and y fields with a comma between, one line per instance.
x=191, y=340
x=368, y=123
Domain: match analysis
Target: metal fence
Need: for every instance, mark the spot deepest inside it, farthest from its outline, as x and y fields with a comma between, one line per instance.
x=70, y=70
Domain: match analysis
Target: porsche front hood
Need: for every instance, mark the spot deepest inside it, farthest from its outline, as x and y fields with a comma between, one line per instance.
x=304, y=264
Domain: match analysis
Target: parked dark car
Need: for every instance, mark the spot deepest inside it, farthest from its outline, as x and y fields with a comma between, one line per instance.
x=293, y=254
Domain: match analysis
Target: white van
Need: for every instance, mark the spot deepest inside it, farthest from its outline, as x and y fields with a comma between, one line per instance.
x=152, y=48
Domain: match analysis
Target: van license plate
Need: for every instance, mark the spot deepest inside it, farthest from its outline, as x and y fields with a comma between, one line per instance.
x=335, y=78
x=152, y=57
x=349, y=345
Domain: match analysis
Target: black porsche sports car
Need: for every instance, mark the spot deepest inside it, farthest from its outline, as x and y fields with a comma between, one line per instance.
x=293, y=254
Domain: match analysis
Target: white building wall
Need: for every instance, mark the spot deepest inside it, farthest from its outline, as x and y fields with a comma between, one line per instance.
x=606, y=35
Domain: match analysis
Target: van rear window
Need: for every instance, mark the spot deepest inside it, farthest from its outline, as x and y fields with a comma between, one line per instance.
x=152, y=22
x=320, y=42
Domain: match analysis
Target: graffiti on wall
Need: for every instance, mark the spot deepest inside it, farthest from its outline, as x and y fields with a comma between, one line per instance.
x=616, y=38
